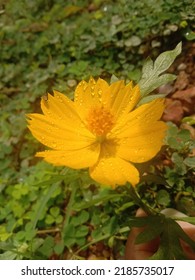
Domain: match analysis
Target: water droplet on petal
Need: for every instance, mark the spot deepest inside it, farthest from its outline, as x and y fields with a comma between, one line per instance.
x=92, y=91
x=99, y=92
x=91, y=80
x=85, y=87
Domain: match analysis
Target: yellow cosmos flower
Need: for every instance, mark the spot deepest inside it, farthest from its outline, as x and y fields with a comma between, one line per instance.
x=100, y=130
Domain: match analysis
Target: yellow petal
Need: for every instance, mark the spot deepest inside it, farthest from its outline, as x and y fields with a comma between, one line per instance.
x=142, y=146
x=143, y=116
x=81, y=158
x=140, y=136
x=123, y=98
x=114, y=171
x=91, y=94
x=60, y=107
x=59, y=134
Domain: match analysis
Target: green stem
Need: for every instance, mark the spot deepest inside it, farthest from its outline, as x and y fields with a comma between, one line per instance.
x=70, y=203
x=137, y=199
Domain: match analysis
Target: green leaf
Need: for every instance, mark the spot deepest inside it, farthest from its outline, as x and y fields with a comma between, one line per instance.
x=55, y=211
x=59, y=247
x=170, y=247
x=163, y=197
x=190, y=161
x=190, y=220
x=151, y=72
x=8, y=255
x=81, y=218
x=113, y=79
x=49, y=220
x=125, y=206
x=179, y=164
x=47, y=248
x=41, y=204
x=81, y=231
x=149, y=98
x=69, y=235
x=189, y=120
x=190, y=35
x=165, y=59
x=55, y=179
x=149, y=234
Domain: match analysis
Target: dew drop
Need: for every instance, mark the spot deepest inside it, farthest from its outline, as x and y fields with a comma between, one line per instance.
x=92, y=89
x=76, y=96
x=92, y=81
x=80, y=84
x=84, y=88
x=99, y=92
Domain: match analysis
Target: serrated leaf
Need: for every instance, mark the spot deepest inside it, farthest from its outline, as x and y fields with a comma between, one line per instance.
x=150, y=73
x=147, y=67
x=154, y=82
x=170, y=247
x=165, y=59
x=153, y=227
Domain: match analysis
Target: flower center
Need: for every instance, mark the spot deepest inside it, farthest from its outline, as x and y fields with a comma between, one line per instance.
x=100, y=121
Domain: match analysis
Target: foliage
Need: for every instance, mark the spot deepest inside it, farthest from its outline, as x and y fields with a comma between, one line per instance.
x=152, y=77
x=44, y=212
